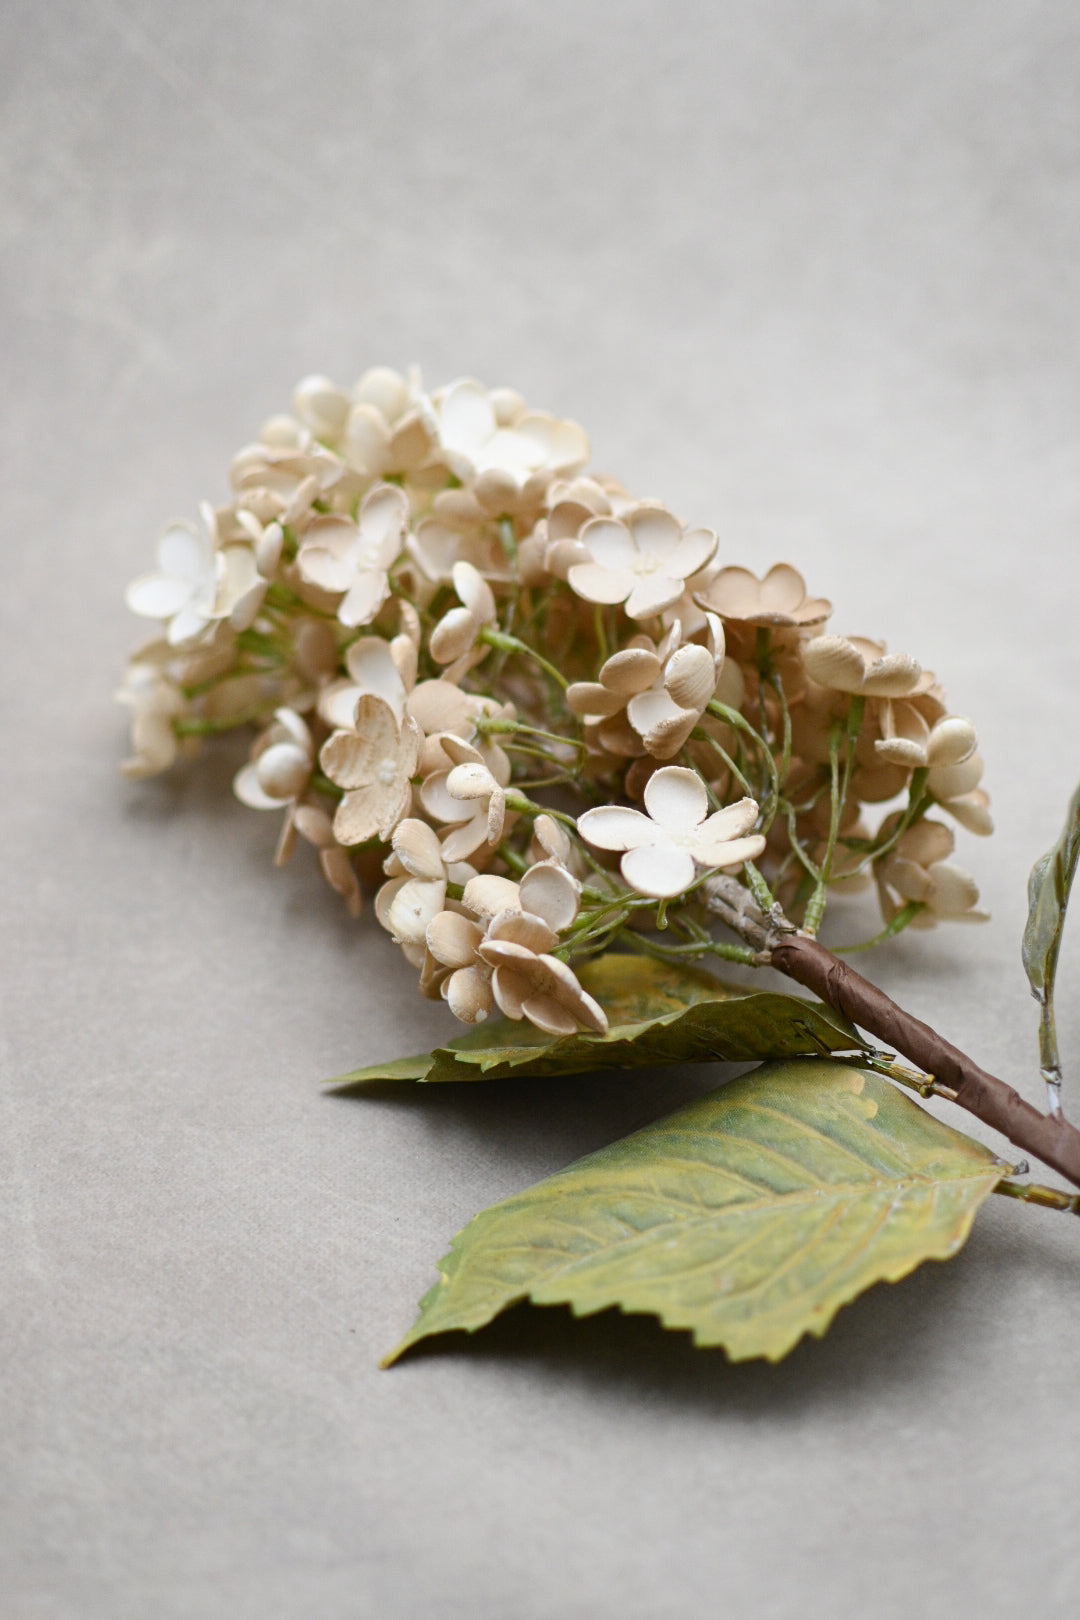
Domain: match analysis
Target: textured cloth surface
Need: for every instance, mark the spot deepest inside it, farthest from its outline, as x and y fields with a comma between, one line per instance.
x=810, y=274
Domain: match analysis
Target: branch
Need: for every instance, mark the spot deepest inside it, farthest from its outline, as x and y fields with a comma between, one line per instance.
x=1048, y=1137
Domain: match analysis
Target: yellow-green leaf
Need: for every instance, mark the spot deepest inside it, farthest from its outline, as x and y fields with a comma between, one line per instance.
x=748, y=1217
x=657, y=1013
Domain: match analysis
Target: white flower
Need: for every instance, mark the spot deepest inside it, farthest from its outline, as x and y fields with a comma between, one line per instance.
x=418, y=875
x=155, y=700
x=468, y=798
x=340, y=556
x=642, y=560
x=664, y=847
x=381, y=668
x=779, y=600
x=183, y=591
x=481, y=432
x=373, y=763
x=857, y=665
x=917, y=868
x=453, y=640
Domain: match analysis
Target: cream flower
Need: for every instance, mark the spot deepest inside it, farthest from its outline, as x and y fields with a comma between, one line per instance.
x=282, y=760
x=155, y=701
x=493, y=433
x=956, y=789
x=419, y=874
x=390, y=427
x=650, y=698
x=340, y=556
x=373, y=763
x=642, y=560
x=375, y=667
x=281, y=482
x=778, y=600
x=664, y=848
x=917, y=868
x=854, y=664
x=453, y=640
x=469, y=799
x=183, y=591
x=908, y=738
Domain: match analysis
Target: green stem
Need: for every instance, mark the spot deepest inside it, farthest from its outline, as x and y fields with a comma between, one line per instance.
x=904, y=916
x=498, y=638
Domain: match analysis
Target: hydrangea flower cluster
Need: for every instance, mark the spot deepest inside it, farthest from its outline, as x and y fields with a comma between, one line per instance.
x=552, y=711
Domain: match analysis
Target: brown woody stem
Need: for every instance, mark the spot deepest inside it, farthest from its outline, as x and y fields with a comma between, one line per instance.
x=1049, y=1138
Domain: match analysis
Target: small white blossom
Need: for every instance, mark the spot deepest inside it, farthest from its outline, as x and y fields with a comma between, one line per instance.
x=352, y=559
x=664, y=848
x=642, y=560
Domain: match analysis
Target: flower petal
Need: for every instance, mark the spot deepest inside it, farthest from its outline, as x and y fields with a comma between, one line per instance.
x=598, y=584
x=660, y=870
x=548, y=890
x=676, y=799
x=616, y=826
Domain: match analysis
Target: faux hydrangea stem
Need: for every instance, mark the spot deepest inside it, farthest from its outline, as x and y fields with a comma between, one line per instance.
x=1048, y=1137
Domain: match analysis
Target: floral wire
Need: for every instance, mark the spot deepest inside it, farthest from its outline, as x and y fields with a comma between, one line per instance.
x=703, y=736
x=511, y=644
x=509, y=540
x=785, y=756
x=904, y=916
x=838, y=792
x=740, y=723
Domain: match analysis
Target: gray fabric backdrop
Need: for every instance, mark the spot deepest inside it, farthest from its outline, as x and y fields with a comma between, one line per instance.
x=810, y=273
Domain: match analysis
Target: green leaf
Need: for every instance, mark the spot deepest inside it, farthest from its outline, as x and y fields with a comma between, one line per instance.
x=748, y=1217
x=657, y=1014
x=1048, y=896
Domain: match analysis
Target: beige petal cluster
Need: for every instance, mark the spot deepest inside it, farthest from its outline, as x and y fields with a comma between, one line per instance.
x=642, y=560
x=382, y=428
x=282, y=759
x=779, y=601
x=664, y=848
x=918, y=732
x=280, y=478
x=352, y=559
x=859, y=666
x=490, y=439
x=419, y=873
x=198, y=581
x=649, y=698
x=453, y=640
x=155, y=701
x=373, y=762
x=469, y=799
x=385, y=669
x=496, y=952
x=956, y=789
x=918, y=868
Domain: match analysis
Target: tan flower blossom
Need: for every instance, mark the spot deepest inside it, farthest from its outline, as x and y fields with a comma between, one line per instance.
x=956, y=789
x=353, y=559
x=918, y=868
x=278, y=772
x=155, y=700
x=642, y=560
x=495, y=434
x=854, y=664
x=453, y=640
x=779, y=600
x=469, y=799
x=664, y=848
x=419, y=874
x=373, y=762
x=198, y=581
x=281, y=482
